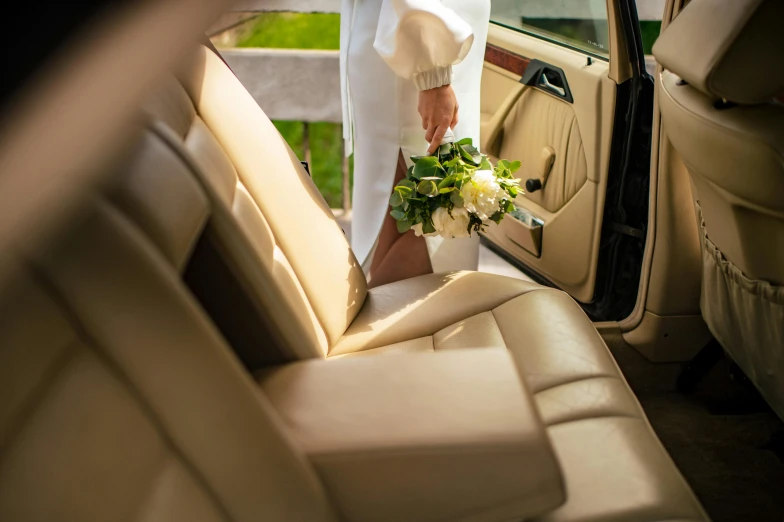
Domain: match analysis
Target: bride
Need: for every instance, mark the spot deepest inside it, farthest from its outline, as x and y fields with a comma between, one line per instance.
x=410, y=70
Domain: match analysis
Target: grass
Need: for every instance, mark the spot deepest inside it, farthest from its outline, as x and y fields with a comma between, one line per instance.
x=306, y=31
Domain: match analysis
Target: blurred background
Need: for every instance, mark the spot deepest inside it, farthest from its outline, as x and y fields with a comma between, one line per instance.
x=301, y=48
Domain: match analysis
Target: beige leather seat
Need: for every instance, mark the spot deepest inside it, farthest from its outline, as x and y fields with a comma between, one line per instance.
x=723, y=68
x=121, y=400
x=276, y=274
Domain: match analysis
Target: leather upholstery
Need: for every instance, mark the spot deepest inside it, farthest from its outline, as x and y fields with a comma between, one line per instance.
x=302, y=223
x=181, y=373
x=121, y=401
x=411, y=437
x=731, y=51
x=232, y=144
x=421, y=306
x=591, y=414
x=735, y=158
x=539, y=120
x=736, y=161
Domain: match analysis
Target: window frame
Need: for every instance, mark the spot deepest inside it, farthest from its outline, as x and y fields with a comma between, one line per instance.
x=561, y=43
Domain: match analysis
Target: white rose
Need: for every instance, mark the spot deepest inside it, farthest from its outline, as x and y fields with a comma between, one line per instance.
x=454, y=226
x=483, y=194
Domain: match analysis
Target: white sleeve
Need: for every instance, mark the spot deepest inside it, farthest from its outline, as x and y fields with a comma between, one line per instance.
x=421, y=40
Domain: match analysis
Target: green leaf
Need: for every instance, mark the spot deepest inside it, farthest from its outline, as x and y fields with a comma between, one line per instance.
x=447, y=181
x=427, y=227
x=446, y=190
x=427, y=188
x=403, y=226
x=397, y=214
x=464, y=155
x=484, y=164
x=512, y=166
x=497, y=217
x=474, y=152
x=452, y=162
x=395, y=200
x=427, y=167
x=407, y=183
x=456, y=198
x=466, y=141
x=510, y=206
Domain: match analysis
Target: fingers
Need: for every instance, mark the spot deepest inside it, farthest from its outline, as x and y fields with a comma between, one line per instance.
x=429, y=132
x=436, y=139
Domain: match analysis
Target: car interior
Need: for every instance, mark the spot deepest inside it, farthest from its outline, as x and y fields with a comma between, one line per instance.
x=185, y=333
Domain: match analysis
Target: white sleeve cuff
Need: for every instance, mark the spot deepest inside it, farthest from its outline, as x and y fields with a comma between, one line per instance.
x=435, y=77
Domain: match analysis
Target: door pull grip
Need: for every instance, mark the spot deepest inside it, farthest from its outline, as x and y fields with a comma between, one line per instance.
x=545, y=84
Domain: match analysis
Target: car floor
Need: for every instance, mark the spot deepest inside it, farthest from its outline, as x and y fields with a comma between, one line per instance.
x=726, y=442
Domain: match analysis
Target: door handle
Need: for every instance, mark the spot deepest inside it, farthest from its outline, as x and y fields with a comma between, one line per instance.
x=545, y=84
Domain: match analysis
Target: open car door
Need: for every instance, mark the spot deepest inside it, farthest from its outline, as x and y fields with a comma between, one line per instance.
x=565, y=91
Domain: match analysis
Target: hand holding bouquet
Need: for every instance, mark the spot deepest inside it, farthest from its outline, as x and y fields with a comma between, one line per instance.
x=454, y=192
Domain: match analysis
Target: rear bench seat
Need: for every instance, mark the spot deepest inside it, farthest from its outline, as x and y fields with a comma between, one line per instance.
x=288, y=288
x=122, y=400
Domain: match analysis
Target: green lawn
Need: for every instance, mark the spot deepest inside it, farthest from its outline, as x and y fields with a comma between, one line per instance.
x=306, y=31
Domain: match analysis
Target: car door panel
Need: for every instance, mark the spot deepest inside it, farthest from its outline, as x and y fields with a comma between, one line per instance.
x=523, y=122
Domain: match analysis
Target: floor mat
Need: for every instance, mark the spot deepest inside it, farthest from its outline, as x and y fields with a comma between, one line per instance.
x=732, y=461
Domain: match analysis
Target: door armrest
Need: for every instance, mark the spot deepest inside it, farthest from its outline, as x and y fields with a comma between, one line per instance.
x=449, y=435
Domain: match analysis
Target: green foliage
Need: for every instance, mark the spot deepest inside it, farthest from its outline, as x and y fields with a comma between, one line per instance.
x=326, y=148
x=294, y=31
x=306, y=31
x=436, y=181
x=650, y=30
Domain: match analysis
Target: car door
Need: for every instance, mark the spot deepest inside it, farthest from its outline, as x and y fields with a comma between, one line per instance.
x=564, y=90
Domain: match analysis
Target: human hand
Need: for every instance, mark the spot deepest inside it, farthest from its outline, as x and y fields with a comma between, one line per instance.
x=438, y=108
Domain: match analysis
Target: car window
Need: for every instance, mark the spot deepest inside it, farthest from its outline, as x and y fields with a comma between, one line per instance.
x=580, y=24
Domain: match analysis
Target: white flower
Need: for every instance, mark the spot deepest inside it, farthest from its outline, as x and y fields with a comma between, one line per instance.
x=454, y=226
x=483, y=194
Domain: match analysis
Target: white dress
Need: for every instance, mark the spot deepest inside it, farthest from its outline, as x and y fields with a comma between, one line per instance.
x=390, y=49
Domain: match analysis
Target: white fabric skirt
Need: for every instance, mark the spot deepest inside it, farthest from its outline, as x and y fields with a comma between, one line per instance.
x=383, y=108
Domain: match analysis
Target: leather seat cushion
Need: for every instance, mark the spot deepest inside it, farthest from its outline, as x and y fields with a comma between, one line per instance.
x=614, y=466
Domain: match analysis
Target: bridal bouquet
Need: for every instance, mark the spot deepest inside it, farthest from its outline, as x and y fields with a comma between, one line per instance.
x=454, y=192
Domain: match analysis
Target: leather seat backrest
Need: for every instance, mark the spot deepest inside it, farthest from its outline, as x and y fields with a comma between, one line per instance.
x=293, y=245
x=723, y=69
x=121, y=400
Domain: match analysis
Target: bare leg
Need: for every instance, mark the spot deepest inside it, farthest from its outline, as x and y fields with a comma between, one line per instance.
x=398, y=256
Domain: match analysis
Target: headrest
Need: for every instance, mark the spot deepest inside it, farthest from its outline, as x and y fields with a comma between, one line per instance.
x=729, y=49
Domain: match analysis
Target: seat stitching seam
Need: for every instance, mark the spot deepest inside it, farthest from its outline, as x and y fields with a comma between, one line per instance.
x=39, y=394
x=581, y=419
x=501, y=332
x=85, y=337
x=576, y=380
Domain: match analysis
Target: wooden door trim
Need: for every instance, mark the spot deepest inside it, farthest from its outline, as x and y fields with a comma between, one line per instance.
x=506, y=60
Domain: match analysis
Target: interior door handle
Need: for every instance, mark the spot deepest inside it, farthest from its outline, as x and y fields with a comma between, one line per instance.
x=545, y=84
